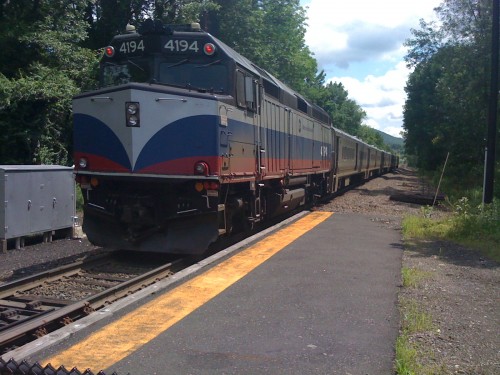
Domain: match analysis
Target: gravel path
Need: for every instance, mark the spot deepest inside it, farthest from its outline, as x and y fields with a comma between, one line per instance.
x=460, y=291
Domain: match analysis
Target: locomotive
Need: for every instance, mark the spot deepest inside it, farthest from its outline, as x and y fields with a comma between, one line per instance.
x=186, y=140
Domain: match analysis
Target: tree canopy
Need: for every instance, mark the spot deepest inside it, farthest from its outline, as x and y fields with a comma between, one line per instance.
x=42, y=67
x=447, y=92
x=50, y=52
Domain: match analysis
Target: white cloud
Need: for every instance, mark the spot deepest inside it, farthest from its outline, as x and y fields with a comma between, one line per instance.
x=341, y=32
x=381, y=97
x=360, y=43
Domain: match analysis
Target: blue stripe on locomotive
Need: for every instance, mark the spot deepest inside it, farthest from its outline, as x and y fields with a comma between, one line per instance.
x=93, y=136
x=170, y=142
x=276, y=145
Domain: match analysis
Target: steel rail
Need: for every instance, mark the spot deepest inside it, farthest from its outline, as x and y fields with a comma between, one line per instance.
x=49, y=321
x=29, y=282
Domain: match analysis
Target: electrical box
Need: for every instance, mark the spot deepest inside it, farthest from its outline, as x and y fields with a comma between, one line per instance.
x=35, y=199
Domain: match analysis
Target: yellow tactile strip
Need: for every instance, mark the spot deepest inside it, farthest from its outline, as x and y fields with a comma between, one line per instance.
x=117, y=340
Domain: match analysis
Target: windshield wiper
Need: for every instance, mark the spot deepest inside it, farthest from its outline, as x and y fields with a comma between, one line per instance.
x=136, y=65
x=170, y=84
x=179, y=63
x=191, y=87
x=212, y=63
x=210, y=90
x=199, y=89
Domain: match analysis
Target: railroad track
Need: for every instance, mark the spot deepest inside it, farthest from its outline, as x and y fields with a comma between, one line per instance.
x=36, y=305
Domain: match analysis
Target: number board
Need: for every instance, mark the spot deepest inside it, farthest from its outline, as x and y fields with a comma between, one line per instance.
x=132, y=47
x=182, y=46
x=168, y=46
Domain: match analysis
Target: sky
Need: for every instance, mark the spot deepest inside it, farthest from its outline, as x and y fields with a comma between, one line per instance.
x=359, y=43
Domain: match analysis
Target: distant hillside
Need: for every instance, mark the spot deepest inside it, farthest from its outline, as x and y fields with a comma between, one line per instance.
x=397, y=144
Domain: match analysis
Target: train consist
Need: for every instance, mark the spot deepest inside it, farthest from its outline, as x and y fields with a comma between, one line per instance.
x=187, y=140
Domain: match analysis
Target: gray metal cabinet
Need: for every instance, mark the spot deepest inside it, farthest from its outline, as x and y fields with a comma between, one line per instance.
x=35, y=199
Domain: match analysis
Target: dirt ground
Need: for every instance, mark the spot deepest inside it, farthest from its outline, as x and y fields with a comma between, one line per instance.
x=460, y=291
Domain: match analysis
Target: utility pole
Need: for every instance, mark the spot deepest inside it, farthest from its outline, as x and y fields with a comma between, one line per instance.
x=489, y=169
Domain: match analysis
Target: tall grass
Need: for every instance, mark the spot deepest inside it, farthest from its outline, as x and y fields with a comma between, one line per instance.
x=474, y=225
x=471, y=224
x=412, y=277
x=413, y=320
x=406, y=357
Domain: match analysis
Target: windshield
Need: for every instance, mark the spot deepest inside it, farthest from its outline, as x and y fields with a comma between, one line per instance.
x=211, y=77
x=132, y=70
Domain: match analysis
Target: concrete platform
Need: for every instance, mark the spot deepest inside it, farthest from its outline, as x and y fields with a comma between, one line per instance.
x=316, y=297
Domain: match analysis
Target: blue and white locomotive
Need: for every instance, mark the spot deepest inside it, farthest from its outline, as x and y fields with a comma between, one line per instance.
x=187, y=140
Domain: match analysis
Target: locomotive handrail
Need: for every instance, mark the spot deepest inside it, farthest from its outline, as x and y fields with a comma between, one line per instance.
x=101, y=98
x=177, y=99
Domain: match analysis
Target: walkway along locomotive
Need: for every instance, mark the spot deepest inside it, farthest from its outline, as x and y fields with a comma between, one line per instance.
x=187, y=140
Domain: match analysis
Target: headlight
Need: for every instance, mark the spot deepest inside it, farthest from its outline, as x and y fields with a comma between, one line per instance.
x=132, y=108
x=132, y=114
x=82, y=163
x=133, y=121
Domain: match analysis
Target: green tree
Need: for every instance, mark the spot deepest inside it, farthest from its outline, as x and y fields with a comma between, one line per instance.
x=446, y=108
x=372, y=137
x=271, y=34
x=106, y=18
x=285, y=53
x=239, y=24
x=346, y=114
x=42, y=67
x=422, y=112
